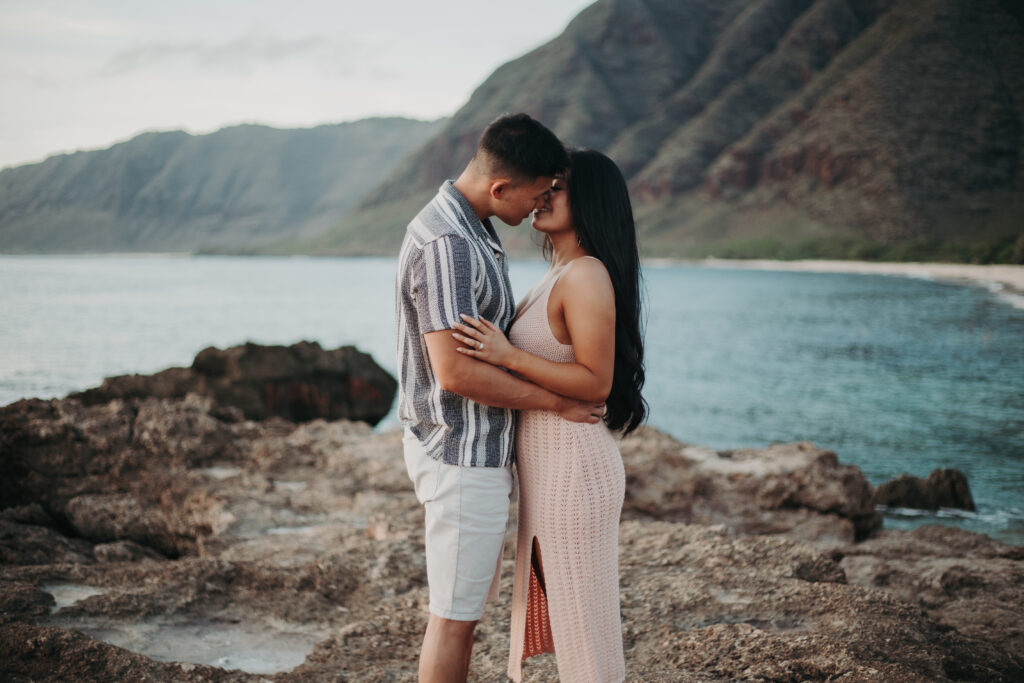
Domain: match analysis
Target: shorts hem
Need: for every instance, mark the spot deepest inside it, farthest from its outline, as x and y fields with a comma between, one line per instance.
x=452, y=615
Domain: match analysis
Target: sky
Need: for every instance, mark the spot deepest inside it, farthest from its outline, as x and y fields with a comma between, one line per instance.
x=88, y=73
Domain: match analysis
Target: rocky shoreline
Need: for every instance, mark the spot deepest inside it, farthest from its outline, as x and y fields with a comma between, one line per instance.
x=173, y=538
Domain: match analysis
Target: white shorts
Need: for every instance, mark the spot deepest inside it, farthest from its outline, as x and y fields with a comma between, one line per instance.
x=466, y=512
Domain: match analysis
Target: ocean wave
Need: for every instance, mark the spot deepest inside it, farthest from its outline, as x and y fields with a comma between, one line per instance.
x=1003, y=293
x=1001, y=517
x=917, y=275
x=1012, y=298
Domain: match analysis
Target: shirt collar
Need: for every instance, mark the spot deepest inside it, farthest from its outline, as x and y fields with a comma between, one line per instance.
x=482, y=230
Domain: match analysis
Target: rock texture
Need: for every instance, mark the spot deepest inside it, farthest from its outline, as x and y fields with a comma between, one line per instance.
x=964, y=581
x=792, y=489
x=825, y=127
x=162, y=516
x=945, y=488
x=299, y=382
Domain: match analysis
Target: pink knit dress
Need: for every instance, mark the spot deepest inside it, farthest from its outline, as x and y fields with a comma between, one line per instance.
x=571, y=488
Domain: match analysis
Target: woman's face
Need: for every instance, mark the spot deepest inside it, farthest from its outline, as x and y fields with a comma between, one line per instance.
x=552, y=214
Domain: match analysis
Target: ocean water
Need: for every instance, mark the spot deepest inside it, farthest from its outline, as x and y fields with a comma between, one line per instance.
x=895, y=374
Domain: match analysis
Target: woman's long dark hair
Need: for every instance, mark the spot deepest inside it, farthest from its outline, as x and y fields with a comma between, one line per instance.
x=603, y=218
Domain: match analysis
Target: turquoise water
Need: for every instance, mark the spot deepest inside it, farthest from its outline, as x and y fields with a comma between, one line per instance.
x=895, y=374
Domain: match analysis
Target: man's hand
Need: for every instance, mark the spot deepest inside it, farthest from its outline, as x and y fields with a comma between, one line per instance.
x=581, y=411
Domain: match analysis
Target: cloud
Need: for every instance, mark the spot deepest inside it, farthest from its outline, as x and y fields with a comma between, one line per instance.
x=240, y=54
x=50, y=24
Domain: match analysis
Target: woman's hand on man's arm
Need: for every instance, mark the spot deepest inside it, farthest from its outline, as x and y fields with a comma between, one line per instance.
x=492, y=386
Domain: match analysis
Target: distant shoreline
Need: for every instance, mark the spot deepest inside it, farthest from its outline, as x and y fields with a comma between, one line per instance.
x=1009, y=278
x=1004, y=278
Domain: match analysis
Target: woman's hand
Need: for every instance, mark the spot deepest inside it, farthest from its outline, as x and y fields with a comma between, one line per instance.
x=484, y=341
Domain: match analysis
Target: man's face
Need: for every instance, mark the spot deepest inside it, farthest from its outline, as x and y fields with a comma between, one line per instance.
x=517, y=201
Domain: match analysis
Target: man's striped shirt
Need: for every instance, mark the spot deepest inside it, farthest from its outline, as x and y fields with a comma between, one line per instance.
x=451, y=262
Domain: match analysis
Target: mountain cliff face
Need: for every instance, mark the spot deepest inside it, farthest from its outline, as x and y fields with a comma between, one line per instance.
x=870, y=128
x=887, y=129
x=231, y=190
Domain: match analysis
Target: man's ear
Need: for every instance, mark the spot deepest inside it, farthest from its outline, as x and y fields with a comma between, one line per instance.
x=499, y=186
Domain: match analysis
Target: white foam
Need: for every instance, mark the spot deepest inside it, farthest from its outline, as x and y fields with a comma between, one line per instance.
x=1003, y=293
x=67, y=594
x=903, y=512
x=916, y=274
x=1003, y=518
x=1015, y=300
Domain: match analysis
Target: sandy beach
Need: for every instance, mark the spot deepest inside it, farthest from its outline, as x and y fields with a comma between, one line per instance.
x=1008, y=279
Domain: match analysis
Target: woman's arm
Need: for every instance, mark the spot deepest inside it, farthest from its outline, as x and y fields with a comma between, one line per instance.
x=586, y=300
x=486, y=384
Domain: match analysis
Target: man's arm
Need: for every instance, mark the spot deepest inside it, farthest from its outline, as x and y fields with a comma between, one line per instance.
x=492, y=386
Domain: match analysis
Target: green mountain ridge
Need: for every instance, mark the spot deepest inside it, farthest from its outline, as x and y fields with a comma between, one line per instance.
x=232, y=190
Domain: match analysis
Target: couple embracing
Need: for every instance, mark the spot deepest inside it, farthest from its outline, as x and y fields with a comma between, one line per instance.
x=485, y=384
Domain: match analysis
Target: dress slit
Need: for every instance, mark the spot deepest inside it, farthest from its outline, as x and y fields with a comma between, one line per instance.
x=535, y=562
x=537, y=636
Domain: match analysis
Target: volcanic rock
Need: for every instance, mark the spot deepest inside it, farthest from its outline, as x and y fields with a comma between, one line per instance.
x=300, y=382
x=963, y=580
x=305, y=541
x=945, y=488
x=796, y=489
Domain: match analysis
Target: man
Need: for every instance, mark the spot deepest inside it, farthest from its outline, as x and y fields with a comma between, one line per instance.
x=459, y=412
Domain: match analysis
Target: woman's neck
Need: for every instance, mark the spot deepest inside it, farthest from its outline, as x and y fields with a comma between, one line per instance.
x=565, y=248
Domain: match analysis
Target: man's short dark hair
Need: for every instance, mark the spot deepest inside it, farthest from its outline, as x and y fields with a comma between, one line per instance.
x=520, y=146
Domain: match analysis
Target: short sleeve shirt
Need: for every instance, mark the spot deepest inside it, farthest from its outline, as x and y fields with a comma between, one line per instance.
x=451, y=263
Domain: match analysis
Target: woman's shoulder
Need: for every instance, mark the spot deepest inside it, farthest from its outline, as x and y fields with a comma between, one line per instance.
x=587, y=269
x=585, y=275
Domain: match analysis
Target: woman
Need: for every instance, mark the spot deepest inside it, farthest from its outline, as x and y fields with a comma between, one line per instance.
x=576, y=333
